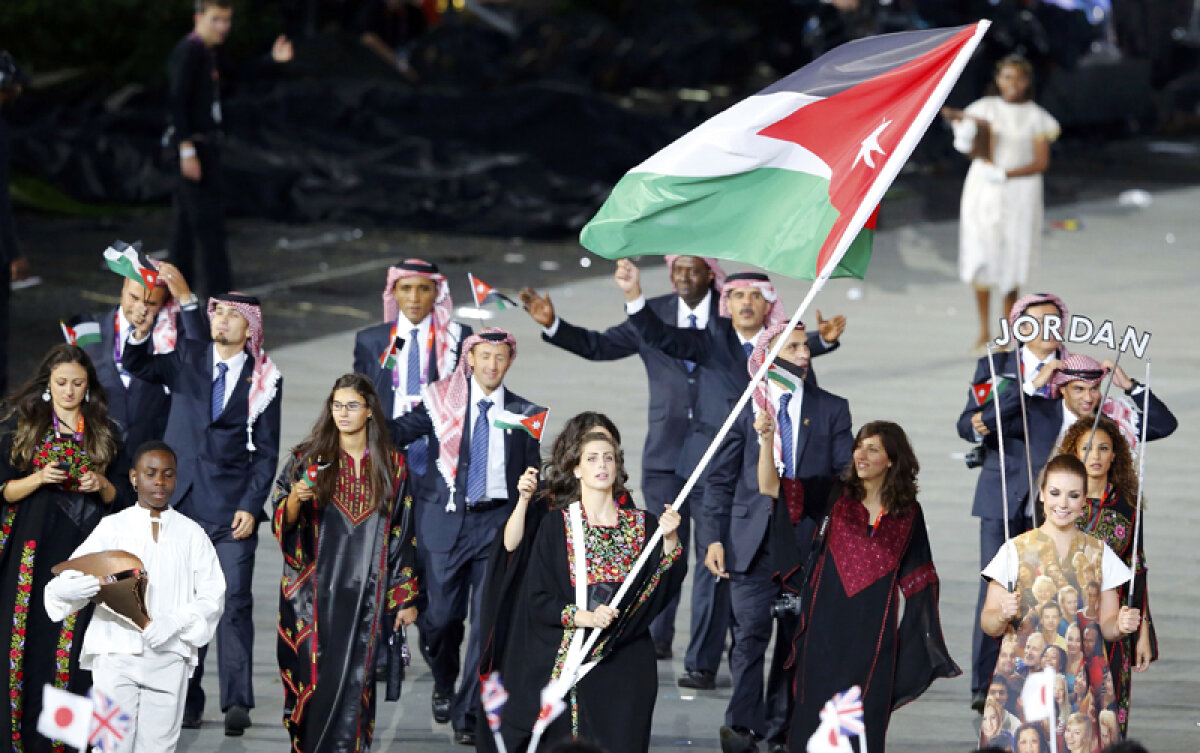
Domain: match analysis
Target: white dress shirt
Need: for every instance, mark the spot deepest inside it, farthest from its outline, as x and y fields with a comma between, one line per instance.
x=700, y=312
x=774, y=392
x=124, y=330
x=1029, y=368
x=402, y=403
x=232, y=374
x=185, y=582
x=497, y=484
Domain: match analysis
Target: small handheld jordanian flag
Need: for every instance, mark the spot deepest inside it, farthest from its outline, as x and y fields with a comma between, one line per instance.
x=784, y=379
x=310, y=473
x=982, y=392
x=786, y=179
x=534, y=424
x=81, y=330
x=485, y=294
x=391, y=354
x=129, y=261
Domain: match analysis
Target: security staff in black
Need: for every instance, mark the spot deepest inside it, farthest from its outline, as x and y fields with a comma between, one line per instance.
x=194, y=112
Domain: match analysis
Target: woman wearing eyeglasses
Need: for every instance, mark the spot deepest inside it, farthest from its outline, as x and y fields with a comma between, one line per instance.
x=343, y=516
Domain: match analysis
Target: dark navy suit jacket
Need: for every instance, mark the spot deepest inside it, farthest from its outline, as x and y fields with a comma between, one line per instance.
x=368, y=347
x=673, y=391
x=988, y=502
x=142, y=408
x=737, y=514
x=436, y=528
x=218, y=475
x=721, y=368
x=1045, y=417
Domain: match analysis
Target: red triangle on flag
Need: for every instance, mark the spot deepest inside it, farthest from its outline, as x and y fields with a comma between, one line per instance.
x=479, y=289
x=981, y=392
x=149, y=277
x=535, y=424
x=856, y=130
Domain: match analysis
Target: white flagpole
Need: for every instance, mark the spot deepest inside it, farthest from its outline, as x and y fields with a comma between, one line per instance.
x=1137, y=524
x=1053, y=711
x=574, y=666
x=1009, y=585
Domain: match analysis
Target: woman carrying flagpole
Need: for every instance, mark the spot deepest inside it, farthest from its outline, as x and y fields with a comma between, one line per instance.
x=582, y=552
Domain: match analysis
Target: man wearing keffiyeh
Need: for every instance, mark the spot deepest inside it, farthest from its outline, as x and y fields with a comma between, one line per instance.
x=139, y=407
x=804, y=433
x=424, y=342
x=224, y=423
x=463, y=503
x=748, y=302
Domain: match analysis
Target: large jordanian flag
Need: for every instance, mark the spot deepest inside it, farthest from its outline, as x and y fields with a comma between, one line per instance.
x=786, y=179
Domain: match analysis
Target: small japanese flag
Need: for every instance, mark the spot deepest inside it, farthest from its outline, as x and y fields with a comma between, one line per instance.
x=65, y=716
x=1037, y=697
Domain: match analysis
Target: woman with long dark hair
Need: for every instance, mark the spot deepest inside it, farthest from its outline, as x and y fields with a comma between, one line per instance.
x=343, y=517
x=582, y=553
x=60, y=461
x=1110, y=514
x=876, y=548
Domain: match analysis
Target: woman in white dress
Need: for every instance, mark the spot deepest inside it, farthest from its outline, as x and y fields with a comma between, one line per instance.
x=1008, y=137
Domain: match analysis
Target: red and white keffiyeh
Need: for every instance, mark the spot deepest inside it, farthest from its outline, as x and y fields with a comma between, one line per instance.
x=446, y=401
x=1036, y=299
x=714, y=265
x=762, y=396
x=775, y=315
x=443, y=307
x=1121, y=409
x=264, y=382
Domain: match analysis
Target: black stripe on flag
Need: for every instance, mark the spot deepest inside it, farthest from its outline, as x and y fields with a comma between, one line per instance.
x=859, y=60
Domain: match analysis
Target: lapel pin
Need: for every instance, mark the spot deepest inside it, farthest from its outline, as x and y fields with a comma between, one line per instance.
x=804, y=422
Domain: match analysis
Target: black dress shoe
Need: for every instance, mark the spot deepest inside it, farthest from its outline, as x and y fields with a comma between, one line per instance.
x=464, y=737
x=237, y=719
x=978, y=699
x=441, y=706
x=737, y=741
x=190, y=722
x=698, y=680
x=663, y=651
x=777, y=748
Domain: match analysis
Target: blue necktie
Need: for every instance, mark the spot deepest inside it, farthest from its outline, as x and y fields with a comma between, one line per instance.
x=1044, y=390
x=414, y=364
x=477, y=470
x=749, y=348
x=785, y=436
x=218, y=391
x=418, y=452
x=692, y=324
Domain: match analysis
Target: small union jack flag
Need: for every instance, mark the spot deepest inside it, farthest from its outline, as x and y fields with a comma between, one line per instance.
x=110, y=725
x=494, y=697
x=845, y=711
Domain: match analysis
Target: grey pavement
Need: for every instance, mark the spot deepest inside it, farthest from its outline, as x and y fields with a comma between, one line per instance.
x=904, y=358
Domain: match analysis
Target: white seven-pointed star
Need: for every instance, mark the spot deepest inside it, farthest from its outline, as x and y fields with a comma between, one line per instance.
x=537, y=424
x=870, y=145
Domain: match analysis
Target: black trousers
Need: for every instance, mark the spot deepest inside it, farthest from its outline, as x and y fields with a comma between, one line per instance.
x=235, y=631
x=710, y=599
x=199, y=220
x=452, y=582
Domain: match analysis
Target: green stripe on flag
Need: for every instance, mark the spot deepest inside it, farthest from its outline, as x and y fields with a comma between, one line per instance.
x=649, y=214
x=779, y=377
